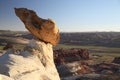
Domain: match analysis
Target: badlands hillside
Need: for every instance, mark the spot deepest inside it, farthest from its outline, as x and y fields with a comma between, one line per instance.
x=71, y=63
x=108, y=39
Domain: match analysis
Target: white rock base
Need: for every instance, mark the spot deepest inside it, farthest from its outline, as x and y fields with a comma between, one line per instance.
x=35, y=63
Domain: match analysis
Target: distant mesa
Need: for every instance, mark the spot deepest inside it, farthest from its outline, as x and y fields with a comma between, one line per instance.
x=44, y=29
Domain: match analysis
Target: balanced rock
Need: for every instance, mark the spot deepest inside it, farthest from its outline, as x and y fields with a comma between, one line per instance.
x=44, y=29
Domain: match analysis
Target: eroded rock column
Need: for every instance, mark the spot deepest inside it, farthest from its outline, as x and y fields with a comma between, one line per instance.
x=47, y=34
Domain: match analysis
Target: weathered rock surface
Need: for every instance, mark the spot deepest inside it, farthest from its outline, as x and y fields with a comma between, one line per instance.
x=62, y=56
x=3, y=77
x=35, y=62
x=44, y=29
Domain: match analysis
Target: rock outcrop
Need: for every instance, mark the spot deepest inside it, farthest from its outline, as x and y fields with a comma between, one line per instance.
x=36, y=61
x=43, y=29
x=62, y=56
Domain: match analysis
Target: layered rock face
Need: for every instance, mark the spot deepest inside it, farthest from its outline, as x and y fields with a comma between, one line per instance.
x=43, y=29
x=36, y=61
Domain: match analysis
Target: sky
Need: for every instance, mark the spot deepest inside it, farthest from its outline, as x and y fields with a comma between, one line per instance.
x=69, y=15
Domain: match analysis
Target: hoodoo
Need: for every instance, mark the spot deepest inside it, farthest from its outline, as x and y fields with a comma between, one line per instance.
x=36, y=61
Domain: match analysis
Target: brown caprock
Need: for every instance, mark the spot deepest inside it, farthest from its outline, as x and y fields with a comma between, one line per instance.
x=44, y=29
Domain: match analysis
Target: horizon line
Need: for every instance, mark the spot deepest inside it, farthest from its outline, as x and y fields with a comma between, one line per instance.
x=60, y=31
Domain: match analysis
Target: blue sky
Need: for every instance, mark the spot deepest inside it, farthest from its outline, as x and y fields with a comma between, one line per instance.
x=69, y=15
